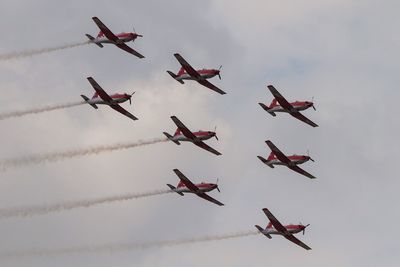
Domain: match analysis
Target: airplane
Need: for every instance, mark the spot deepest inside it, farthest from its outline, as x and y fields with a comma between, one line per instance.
x=274, y=227
x=186, y=186
x=100, y=97
x=276, y=157
x=280, y=104
x=187, y=72
x=183, y=134
x=107, y=36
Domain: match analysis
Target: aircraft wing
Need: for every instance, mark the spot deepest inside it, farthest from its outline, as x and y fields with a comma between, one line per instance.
x=207, y=197
x=282, y=101
x=186, y=181
x=206, y=147
x=99, y=90
x=210, y=86
x=278, y=153
x=189, y=69
x=109, y=34
x=186, y=132
x=303, y=118
x=301, y=171
x=292, y=238
x=129, y=50
x=278, y=226
x=123, y=111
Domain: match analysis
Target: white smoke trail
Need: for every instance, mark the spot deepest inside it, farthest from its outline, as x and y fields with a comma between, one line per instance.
x=28, y=53
x=44, y=209
x=57, y=156
x=19, y=113
x=115, y=248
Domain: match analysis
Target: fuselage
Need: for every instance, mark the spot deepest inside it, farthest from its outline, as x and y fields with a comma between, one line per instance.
x=291, y=228
x=203, y=187
x=122, y=38
x=117, y=98
x=294, y=160
x=297, y=106
x=204, y=73
x=200, y=135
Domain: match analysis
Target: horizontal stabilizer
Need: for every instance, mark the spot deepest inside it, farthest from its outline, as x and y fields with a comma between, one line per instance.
x=262, y=231
x=265, y=161
x=267, y=109
x=87, y=101
x=171, y=138
x=174, y=76
x=91, y=38
x=173, y=188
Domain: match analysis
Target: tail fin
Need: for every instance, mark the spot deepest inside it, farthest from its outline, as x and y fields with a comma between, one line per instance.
x=267, y=109
x=269, y=225
x=173, y=75
x=259, y=228
x=170, y=137
x=95, y=95
x=271, y=156
x=181, y=71
x=177, y=132
x=100, y=34
x=87, y=101
x=273, y=103
x=173, y=189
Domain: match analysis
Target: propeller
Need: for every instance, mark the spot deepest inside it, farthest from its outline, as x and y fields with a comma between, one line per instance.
x=219, y=70
x=304, y=229
x=308, y=154
x=130, y=98
x=134, y=31
x=215, y=132
x=312, y=101
x=217, y=186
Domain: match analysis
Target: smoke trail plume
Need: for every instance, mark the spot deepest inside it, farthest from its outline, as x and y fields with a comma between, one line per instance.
x=28, y=53
x=19, y=113
x=57, y=156
x=115, y=248
x=44, y=209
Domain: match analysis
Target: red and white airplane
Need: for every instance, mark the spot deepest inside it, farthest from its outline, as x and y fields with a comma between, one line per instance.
x=276, y=157
x=274, y=227
x=187, y=72
x=280, y=104
x=106, y=36
x=100, y=97
x=186, y=186
x=183, y=134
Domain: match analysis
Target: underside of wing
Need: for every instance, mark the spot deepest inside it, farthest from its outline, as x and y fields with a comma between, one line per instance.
x=277, y=152
x=130, y=50
x=282, y=101
x=210, y=86
x=123, y=111
x=207, y=197
x=301, y=171
x=186, y=132
x=186, y=181
x=99, y=90
x=292, y=238
x=278, y=226
x=109, y=34
x=189, y=69
x=207, y=147
x=303, y=118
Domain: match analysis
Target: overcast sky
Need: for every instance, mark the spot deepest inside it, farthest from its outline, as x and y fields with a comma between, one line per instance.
x=342, y=53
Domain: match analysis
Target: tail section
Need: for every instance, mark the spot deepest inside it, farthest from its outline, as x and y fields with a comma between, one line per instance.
x=170, y=137
x=92, y=39
x=100, y=34
x=267, y=162
x=87, y=101
x=173, y=75
x=267, y=109
x=173, y=188
x=259, y=228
